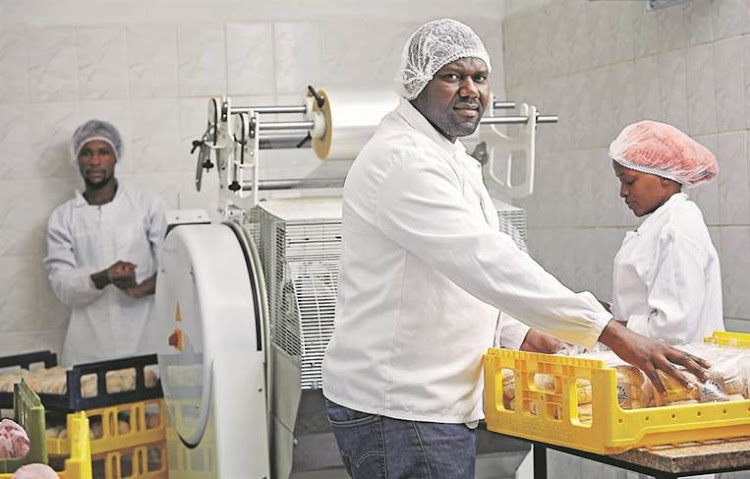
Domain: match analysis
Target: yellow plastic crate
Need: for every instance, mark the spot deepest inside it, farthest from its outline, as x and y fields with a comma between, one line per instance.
x=146, y=461
x=111, y=440
x=611, y=430
x=78, y=465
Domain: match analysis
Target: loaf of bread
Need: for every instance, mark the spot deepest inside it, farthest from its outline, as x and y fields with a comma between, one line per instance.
x=629, y=387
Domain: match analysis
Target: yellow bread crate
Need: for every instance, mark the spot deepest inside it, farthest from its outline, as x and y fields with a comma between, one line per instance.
x=144, y=423
x=146, y=461
x=78, y=465
x=553, y=416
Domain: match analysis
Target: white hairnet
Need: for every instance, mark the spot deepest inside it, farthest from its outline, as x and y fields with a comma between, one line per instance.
x=663, y=150
x=430, y=48
x=97, y=130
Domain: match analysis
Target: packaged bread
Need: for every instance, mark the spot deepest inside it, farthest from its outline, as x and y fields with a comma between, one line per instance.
x=629, y=386
x=548, y=383
x=11, y=377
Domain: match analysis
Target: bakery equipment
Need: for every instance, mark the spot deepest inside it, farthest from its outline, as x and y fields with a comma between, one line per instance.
x=246, y=305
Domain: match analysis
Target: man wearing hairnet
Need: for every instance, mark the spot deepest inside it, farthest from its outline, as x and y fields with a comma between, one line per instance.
x=102, y=252
x=424, y=271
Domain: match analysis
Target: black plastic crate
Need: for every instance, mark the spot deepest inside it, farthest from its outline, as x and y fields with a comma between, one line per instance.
x=73, y=400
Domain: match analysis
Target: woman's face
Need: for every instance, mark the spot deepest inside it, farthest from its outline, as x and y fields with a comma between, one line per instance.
x=643, y=192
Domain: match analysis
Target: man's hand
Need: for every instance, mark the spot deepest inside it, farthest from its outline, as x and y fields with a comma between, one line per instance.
x=122, y=275
x=538, y=342
x=146, y=288
x=649, y=355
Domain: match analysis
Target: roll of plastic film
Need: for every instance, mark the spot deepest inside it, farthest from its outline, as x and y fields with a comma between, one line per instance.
x=351, y=119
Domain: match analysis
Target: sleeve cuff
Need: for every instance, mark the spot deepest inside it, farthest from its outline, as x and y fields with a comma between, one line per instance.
x=510, y=332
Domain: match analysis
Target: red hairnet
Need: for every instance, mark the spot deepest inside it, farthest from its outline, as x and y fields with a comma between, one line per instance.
x=663, y=150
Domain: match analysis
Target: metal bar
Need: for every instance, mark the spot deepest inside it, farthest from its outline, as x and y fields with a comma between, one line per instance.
x=512, y=120
x=269, y=109
x=503, y=105
x=488, y=120
x=540, y=461
x=283, y=141
x=285, y=125
x=293, y=183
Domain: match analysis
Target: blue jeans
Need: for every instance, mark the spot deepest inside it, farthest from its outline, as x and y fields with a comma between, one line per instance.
x=374, y=446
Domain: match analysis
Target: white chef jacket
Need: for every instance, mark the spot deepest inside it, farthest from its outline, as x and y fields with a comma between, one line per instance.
x=667, y=279
x=423, y=272
x=83, y=239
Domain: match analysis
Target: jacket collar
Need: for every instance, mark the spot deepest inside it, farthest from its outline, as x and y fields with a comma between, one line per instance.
x=417, y=121
x=663, y=210
x=81, y=201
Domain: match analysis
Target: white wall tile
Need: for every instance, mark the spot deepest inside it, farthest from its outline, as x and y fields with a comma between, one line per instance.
x=17, y=289
x=673, y=87
x=296, y=56
x=735, y=270
x=701, y=90
x=672, y=31
x=699, y=21
x=730, y=84
x=580, y=46
x=646, y=41
x=202, y=60
x=51, y=126
x=14, y=65
x=15, y=143
x=29, y=341
x=250, y=58
x=53, y=67
x=706, y=196
x=155, y=142
x=729, y=17
x=152, y=60
x=746, y=62
x=646, y=88
x=353, y=60
x=102, y=63
x=734, y=194
x=620, y=96
x=24, y=222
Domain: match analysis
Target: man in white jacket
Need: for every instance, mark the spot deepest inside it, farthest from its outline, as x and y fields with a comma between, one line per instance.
x=102, y=253
x=424, y=271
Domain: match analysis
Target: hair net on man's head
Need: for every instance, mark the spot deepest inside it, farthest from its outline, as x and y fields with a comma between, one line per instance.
x=97, y=130
x=663, y=150
x=430, y=48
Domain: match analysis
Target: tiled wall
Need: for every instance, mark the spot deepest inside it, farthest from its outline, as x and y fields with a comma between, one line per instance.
x=602, y=65
x=149, y=67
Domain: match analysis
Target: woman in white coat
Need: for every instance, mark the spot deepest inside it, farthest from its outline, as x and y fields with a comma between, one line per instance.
x=667, y=279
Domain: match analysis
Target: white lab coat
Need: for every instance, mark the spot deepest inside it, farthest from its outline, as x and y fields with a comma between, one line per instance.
x=667, y=279
x=83, y=239
x=423, y=273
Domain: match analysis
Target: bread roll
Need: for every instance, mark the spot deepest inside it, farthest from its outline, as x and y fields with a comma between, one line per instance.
x=35, y=471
